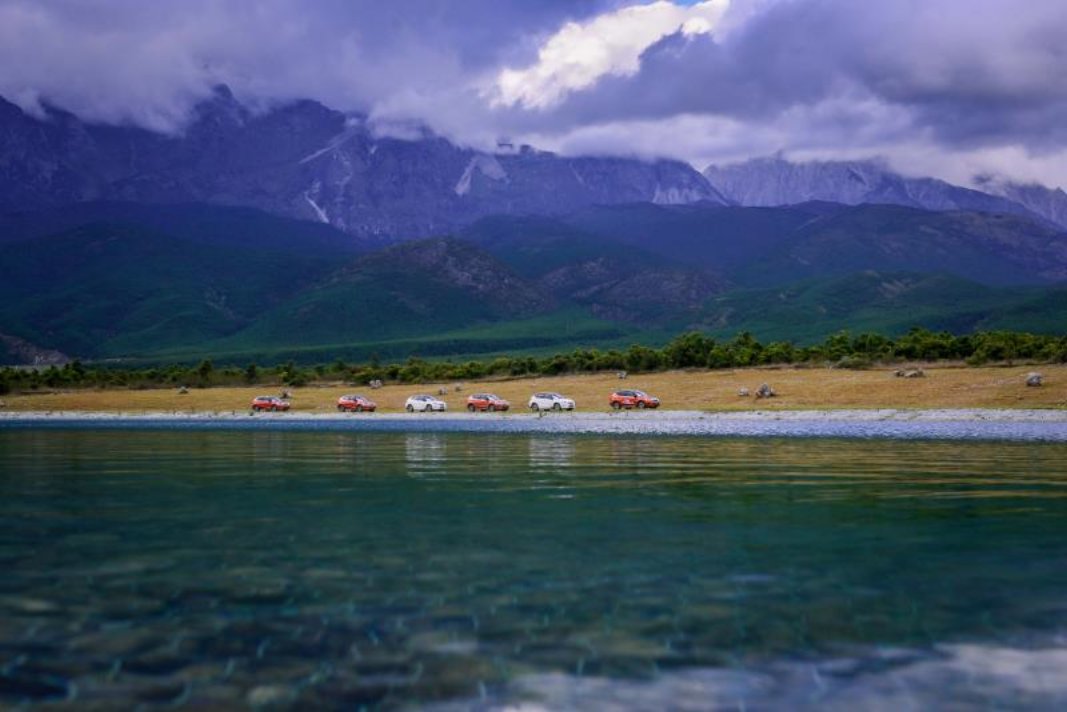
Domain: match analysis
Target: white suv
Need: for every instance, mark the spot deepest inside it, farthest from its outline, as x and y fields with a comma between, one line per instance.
x=425, y=404
x=550, y=401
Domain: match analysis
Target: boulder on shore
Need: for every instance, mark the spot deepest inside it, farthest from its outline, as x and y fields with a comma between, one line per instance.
x=765, y=391
x=1034, y=379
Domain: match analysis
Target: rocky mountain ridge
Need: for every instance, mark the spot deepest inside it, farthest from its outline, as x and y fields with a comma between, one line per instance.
x=304, y=160
x=775, y=181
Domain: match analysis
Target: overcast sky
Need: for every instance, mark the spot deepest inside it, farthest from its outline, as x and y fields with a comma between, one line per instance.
x=944, y=87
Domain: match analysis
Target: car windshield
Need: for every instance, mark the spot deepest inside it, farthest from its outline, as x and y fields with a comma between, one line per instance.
x=553, y=395
x=493, y=396
x=641, y=393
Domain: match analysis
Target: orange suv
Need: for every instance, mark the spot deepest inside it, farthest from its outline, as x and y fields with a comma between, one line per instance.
x=271, y=403
x=486, y=401
x=632, y=399
x=356, y=403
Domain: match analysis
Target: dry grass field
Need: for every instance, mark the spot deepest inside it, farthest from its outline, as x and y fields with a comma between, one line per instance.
x=943, y=387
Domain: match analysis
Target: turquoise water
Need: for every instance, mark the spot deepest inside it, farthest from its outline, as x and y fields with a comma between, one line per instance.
x=338, y=570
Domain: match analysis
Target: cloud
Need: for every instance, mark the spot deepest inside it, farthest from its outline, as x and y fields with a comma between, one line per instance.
x=964, y=80
x=579, y=54
x=148, y=63
x=970, y=82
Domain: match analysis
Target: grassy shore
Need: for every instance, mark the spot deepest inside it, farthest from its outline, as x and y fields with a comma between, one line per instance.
x=943, y=387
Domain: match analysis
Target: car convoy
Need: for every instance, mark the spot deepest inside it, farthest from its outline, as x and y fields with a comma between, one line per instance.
x=476, y=402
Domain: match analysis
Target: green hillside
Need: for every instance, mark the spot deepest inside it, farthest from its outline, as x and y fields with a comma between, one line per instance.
x=887, y=303
x=215, y=225
x=536, y=246
x=722, y=239
x=605, y=277
x=558, y=331
x=992, y=249
x=111, y=290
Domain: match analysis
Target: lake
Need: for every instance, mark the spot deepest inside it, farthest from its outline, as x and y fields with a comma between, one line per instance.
x=274, y=569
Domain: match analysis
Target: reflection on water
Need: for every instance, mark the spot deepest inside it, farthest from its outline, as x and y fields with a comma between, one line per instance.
x=340, y=569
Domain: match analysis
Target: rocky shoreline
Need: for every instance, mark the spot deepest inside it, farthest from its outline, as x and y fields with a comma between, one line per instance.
x=937, y=424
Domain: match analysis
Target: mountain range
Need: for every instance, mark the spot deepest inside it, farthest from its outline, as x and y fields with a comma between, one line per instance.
x=301, y=232
x=774, y=181
x=302, y=160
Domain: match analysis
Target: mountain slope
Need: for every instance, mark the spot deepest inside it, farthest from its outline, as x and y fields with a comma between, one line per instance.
x=992, y=249
x=305, y=161
x=614, y=280
x=219, y=225
x=775, y=181
x=887, y=303
x=763, y=246
x=1051, y=203
x=111, y=290
x=417, y=287
x=710, y=237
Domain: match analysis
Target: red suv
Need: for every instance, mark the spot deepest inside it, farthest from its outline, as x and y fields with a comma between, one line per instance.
x=271, y=403
x=632, y=399
x=486, y=401
x=356, y=403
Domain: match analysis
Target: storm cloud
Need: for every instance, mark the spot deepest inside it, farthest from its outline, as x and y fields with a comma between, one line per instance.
x=949, y=87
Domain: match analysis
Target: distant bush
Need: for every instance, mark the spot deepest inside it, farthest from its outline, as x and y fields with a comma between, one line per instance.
x=689, y=350
x=857, y=363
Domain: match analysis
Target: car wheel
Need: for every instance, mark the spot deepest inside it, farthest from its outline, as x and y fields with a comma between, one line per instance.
x=616, y=405
x=340, y=409
x=410, y=408
x=274, y=409
x=640, y=405
x=534, y=407
x=470, y=408
x=557, y=406
x=491, y=408
x=359, y=409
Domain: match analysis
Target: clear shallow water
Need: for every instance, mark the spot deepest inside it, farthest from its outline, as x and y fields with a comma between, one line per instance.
x=336, y=569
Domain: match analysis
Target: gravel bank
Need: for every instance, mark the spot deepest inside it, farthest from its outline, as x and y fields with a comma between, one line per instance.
x=963, y=424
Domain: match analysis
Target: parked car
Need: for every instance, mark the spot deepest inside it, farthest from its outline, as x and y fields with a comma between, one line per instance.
x=550, y=401
x=486, y=401
x=632, y=399
x=271, y=403
x=356, y=403
x=424, y=404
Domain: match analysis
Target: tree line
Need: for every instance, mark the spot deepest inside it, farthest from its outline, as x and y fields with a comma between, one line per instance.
x=689, y=350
